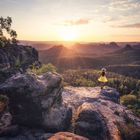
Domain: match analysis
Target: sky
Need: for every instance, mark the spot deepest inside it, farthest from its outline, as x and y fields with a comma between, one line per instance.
x=74, y=20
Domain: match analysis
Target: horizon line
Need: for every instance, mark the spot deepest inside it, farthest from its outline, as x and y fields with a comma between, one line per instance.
x=80, y=41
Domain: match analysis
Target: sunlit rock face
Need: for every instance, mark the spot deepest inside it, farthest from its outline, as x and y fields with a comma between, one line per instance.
x=36, y=101
x=66, y=136
x=97, y=113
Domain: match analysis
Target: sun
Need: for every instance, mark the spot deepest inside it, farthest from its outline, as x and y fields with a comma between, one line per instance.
x=67, y=33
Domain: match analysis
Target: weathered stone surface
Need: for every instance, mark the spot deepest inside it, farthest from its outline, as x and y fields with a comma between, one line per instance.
x=17, y=56
x=97, y=112
x=16, y=59
x=29, y=134
x=58, y=118
x=66, y=136
x=109, y=94
x=90, y=123
x=35, y=99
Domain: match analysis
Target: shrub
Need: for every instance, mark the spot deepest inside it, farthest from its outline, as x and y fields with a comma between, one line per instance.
x=84, y=82
x=44, y=68
x=128, y=99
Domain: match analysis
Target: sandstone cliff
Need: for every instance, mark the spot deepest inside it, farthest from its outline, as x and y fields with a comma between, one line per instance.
x=98, y=115
x=41, y=106
x=16, y=58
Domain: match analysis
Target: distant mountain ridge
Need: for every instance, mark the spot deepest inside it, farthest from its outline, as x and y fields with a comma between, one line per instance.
x=126, y=48
x=57, y=51
x=96, y=48
x=84, y=56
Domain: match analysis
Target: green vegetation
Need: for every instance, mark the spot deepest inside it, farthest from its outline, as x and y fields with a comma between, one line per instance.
x=44, y=68
x=128, y=99
x=5, y=26
x=127, y=86
x=131, y=70
x=132, y=102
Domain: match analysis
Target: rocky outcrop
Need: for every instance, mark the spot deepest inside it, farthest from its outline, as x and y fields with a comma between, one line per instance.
x=36, y=101
x=40, y=106
x=90, y=123
x=16, y=58
x=97, y=114
x=38, y=134
x=66, y=136
x=40, y=102
x=29, y=134
x=58, y=118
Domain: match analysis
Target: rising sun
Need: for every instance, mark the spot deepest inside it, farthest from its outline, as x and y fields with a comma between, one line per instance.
x=67, y=33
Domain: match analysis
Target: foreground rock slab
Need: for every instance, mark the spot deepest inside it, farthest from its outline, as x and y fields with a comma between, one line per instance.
x=97, y=113
x=66, y=136
x=35, y=99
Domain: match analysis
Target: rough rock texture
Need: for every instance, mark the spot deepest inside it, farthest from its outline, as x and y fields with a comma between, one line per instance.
x=58, y=118
x=15, y=59
x=35, y=101
x=66, y=136
x=96, y=112
x=17, y=55
x=37, y=105
x=38, y=134
x=29, y=134
x=91, y=123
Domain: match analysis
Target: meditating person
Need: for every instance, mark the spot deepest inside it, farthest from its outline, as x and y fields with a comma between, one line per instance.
x=102, y=79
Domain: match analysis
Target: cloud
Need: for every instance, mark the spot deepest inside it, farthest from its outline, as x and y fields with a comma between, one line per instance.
x=76, y=22
x=124, y=5
x=134, y=25
x=110, y=18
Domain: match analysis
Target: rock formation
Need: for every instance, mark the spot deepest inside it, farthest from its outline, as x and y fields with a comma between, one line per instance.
x=66, y=136
x=15, y=59
x=35, y=101
x=97, y=114
x=41, y=106
x=17, y=56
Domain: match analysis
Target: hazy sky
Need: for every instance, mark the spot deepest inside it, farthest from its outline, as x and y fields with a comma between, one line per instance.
x=80, y=20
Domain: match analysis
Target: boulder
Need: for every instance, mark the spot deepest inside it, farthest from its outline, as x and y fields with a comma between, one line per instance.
x=58, y=118
x=109, y=94
x=90, y=123
x=98, y=115
x=29, y=134
x=66, y=136
x=15, y=59
x=76, y=96
x=34, y=100
x=104, y=120
x=17, y=56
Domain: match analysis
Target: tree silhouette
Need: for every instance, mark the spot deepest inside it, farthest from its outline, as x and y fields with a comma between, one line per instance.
x=5, y=28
